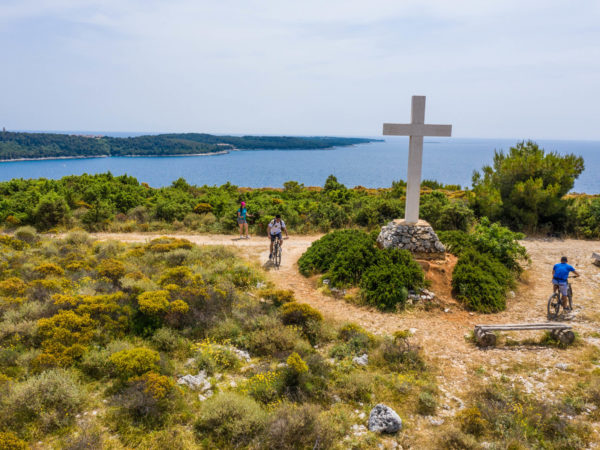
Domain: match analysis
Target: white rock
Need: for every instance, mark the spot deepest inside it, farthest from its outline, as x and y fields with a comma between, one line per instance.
x=447, y=310
x=436, y=422
x=362, y=360
x=362, y=415
x=562, y=366
x=233, y=384
x=195, y=382
x=412, y=330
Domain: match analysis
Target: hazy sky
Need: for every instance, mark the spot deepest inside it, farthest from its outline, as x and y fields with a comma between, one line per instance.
x=508, y=68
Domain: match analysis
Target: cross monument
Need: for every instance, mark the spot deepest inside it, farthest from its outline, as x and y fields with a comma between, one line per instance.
x=416, y=129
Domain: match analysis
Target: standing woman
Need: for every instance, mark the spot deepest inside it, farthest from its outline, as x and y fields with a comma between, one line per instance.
x=242, y=214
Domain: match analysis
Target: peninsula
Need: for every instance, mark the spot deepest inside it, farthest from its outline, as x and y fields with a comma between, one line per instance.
x=17, y=145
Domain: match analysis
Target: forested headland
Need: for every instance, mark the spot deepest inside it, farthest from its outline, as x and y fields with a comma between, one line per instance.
x=53, y=145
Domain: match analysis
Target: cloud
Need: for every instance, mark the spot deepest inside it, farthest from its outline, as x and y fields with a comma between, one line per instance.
x=499, y=68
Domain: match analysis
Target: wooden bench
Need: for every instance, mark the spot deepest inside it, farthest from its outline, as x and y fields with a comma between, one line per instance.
x=484, y=334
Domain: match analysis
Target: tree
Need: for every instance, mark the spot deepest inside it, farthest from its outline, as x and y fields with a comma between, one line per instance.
x=525, y=187
x=50, y=211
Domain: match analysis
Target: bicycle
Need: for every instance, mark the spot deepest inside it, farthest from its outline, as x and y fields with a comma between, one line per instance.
x=276, y=260
x=555, y=302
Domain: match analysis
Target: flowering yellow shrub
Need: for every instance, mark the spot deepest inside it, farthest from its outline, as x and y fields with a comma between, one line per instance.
x=15, y=244
x=49, y=269
x=10, y=441
x=64, y=337
x=179, y=307
x=201, y=208
x=164, y=244
x=157, y=386
x=180, y=276
x=112, y=269
x=134, y=362
x=154, y=303
x=264, y=387
x=296, y=363
x=212, y=355
x=299, y=314
x=13, y=287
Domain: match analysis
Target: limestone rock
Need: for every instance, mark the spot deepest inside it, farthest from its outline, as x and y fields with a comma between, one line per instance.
x=362, y=360
x=195, y=382
x=384, y=419
x=419, y=239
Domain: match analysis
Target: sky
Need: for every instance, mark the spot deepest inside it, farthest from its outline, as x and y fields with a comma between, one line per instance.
x=494, y=69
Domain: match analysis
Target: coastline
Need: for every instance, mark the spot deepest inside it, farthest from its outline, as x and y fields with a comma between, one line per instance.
x=55, y=158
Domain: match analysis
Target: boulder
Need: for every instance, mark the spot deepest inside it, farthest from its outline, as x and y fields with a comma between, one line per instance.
x=362, y=360
x=195, y=382
x=384, y=419
x=596, y=258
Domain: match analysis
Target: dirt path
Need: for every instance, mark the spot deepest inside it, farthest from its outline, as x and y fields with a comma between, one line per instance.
x=442, y=334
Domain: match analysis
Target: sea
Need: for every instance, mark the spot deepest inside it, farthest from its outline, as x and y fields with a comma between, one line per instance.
x=376, y=164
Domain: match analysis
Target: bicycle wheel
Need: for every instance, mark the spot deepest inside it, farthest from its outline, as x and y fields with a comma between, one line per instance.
x=554, y=304
x=278, y=256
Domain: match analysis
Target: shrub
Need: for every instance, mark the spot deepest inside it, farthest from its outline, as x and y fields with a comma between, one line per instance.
x=10, y=441
x=13, y=287
x=455, y=216
x=112, y=269
x=427, y=404
x=26, y=234
x=232, y=420
x=50, y=400
x=354, y=387
x=134, y=362
x=297, y=426
x=214, y=357
x=64, y=337
x=343, y=255
x=50, y=211
x=481, y=282
x=265, y=387
x=299, y=314
x=148, y=397
x=154, y=303
x=277, y=296
x=398, y=355
x=49, y=269
x=167, y=340
x=203, y=208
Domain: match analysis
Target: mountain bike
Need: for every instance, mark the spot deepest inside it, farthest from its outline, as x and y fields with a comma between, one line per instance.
x=276, y=260
x=555, y=302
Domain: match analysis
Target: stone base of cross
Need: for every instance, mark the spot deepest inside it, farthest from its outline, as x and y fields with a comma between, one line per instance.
x=411, y=233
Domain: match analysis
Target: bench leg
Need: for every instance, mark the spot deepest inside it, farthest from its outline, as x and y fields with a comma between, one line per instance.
x=485, y=338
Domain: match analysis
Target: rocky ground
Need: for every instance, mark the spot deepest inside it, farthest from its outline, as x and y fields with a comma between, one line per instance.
x=443, y=332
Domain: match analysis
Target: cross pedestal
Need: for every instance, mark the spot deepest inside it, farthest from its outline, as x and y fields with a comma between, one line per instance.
x=411, y=233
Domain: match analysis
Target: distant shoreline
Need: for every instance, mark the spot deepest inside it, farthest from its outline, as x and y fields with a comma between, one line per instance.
x=53, y=158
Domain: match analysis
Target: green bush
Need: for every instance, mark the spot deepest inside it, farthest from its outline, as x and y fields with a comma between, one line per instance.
x=27, y=234
x=454, y=216
x=277, y=296
x=299, y=314
x=50, y=400
x=232, y=420
x=427, y=404
x=343, y=255
x=481, y=282
x=386, y=284
x=10, y=441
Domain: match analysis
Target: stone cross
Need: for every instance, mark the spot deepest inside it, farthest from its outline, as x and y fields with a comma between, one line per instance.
x=416, y=129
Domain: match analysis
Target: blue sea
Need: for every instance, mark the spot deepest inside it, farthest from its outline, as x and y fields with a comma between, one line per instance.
x=377, y=164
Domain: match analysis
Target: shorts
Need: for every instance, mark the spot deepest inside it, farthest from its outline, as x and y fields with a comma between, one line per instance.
x=241, y=220
x=563, y=287
x=276, y=236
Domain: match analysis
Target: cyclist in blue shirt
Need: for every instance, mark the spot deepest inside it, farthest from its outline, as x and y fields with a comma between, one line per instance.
x=560, y=277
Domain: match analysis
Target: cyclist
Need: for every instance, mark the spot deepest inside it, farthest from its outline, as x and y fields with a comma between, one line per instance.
x=242, y=214
x=276, y=226
x=560, y=276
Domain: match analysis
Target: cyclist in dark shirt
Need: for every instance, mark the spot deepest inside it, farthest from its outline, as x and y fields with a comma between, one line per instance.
x=560, y=277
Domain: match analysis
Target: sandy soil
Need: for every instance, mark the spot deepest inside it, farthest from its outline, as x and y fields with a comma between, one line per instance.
x=441, y=333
